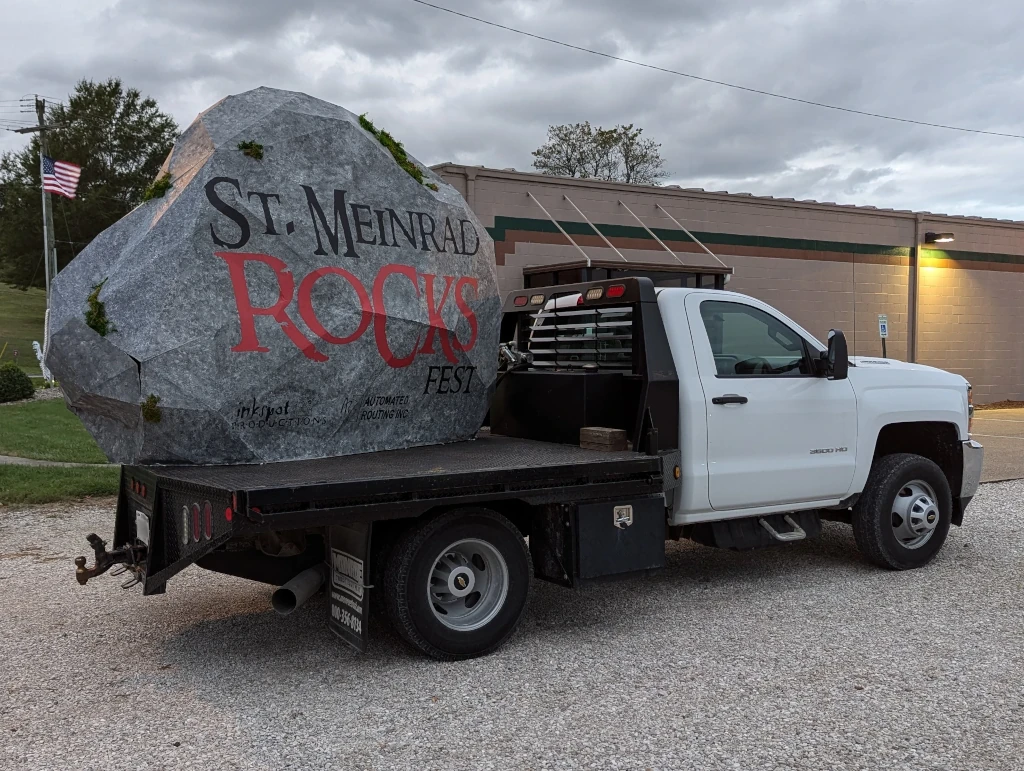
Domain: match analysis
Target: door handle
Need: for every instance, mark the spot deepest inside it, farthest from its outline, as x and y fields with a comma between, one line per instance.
x=729, y=399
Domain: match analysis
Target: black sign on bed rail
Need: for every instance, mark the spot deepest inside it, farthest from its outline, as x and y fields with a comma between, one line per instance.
x=348, y=592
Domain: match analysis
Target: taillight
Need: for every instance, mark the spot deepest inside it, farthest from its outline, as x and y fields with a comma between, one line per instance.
x=520, y=301
x=228, y=513
x=186, y=521
x=207, y=520
x=615, y=290
x=195, y=522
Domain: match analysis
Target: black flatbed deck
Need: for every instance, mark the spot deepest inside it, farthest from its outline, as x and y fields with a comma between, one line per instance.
x=391, y=482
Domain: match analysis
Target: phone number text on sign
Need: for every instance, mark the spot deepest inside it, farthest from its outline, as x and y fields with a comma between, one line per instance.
x=346, y=618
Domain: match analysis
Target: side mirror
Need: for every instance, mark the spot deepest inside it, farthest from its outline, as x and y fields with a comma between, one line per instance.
x=837, y=356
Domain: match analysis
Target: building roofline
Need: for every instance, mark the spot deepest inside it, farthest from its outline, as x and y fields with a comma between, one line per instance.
x=714, y=195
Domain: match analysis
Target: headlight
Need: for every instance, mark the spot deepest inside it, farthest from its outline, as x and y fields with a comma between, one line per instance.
x=970, y=408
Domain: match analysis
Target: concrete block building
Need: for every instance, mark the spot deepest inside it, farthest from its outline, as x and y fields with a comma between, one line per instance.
x=958, y=305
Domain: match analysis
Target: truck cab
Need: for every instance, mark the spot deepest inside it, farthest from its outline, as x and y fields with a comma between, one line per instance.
x=766, y=428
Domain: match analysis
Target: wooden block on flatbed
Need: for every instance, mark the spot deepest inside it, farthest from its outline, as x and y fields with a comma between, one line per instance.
x=599, y=438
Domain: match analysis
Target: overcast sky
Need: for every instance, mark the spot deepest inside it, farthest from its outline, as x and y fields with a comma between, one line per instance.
x=453, y=89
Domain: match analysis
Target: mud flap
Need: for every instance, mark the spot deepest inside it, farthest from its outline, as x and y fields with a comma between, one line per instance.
x=349, y=596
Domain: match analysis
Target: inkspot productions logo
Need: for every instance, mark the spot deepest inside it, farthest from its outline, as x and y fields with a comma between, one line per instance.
x=271, y=415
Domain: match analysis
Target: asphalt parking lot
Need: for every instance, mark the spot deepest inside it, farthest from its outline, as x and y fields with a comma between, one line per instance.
x=1002, y=433
x=802, y=657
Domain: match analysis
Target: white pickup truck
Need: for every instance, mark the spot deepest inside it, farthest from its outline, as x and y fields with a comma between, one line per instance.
x=623, y=416
x=767, y=427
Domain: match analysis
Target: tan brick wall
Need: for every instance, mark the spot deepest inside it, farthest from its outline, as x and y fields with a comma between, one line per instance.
x=972, y=323
x=824, y=295
x=971, y=320
x=754, y=216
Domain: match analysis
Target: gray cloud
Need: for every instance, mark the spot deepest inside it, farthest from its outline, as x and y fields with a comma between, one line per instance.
x=452, y=89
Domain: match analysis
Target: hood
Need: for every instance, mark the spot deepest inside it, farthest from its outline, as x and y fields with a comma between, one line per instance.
x=902, y=371
x=878, y=362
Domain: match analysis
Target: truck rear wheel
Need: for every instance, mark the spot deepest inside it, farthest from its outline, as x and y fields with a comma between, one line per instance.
x=903, y=516
x=456, y=585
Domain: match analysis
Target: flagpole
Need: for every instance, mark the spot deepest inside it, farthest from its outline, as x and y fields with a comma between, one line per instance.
x=48, y=239
x=46, y=234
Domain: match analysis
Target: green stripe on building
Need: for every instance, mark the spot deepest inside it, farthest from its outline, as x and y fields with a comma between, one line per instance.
x=503, y=224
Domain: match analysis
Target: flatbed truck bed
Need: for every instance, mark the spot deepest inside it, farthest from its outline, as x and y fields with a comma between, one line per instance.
x=405, y=482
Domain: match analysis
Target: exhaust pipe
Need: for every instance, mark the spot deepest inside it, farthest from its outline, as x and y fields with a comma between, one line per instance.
x=294, y=593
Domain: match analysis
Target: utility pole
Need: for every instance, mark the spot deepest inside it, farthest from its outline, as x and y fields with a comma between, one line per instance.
x=49, y=240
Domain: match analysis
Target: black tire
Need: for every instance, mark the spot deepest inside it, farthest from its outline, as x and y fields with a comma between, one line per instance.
x=409, y=569
x=873, y=514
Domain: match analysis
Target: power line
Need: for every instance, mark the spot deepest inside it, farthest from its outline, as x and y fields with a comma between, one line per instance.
x=716, y=82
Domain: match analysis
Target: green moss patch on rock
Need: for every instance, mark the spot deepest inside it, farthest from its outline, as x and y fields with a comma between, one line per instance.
x=151, y=410
x=252, y=149
x=96, y=312
x=158, y=188
x=394, y=147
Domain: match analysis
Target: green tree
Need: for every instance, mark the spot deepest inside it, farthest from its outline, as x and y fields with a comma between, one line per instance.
x=118, y=137
x=620, y=154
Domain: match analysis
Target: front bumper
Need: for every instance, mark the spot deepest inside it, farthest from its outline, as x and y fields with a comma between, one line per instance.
x=973, y=453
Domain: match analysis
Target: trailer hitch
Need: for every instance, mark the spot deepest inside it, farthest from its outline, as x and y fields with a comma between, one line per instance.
x=132, y=557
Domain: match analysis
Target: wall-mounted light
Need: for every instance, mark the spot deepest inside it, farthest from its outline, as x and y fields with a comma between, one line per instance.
x=939, y=238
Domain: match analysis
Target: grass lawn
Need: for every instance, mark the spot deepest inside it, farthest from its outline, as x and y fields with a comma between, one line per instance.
x=47, y=484
x=46, y=431
x=21, y=321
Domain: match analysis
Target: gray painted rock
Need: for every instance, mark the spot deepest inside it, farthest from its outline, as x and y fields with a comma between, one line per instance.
x=320, y=301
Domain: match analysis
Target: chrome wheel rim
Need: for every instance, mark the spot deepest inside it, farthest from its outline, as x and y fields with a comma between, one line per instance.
x=467, y=585
x=915, y=514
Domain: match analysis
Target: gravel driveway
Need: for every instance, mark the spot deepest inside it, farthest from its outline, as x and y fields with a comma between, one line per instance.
x=800, y=657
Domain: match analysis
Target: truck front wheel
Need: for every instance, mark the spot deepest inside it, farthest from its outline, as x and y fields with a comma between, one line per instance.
x=456, y=585
x=903, y=516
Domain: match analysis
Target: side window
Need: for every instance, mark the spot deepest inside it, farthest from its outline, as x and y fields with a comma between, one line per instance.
x=748, y=341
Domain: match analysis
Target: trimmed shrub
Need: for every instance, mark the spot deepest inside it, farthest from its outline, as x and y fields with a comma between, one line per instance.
x=14, y=384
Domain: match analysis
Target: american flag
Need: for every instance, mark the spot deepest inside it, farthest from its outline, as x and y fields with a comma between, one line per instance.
x=60, y=177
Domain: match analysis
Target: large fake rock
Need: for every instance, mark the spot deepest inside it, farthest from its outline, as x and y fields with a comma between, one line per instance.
x=318, y=301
